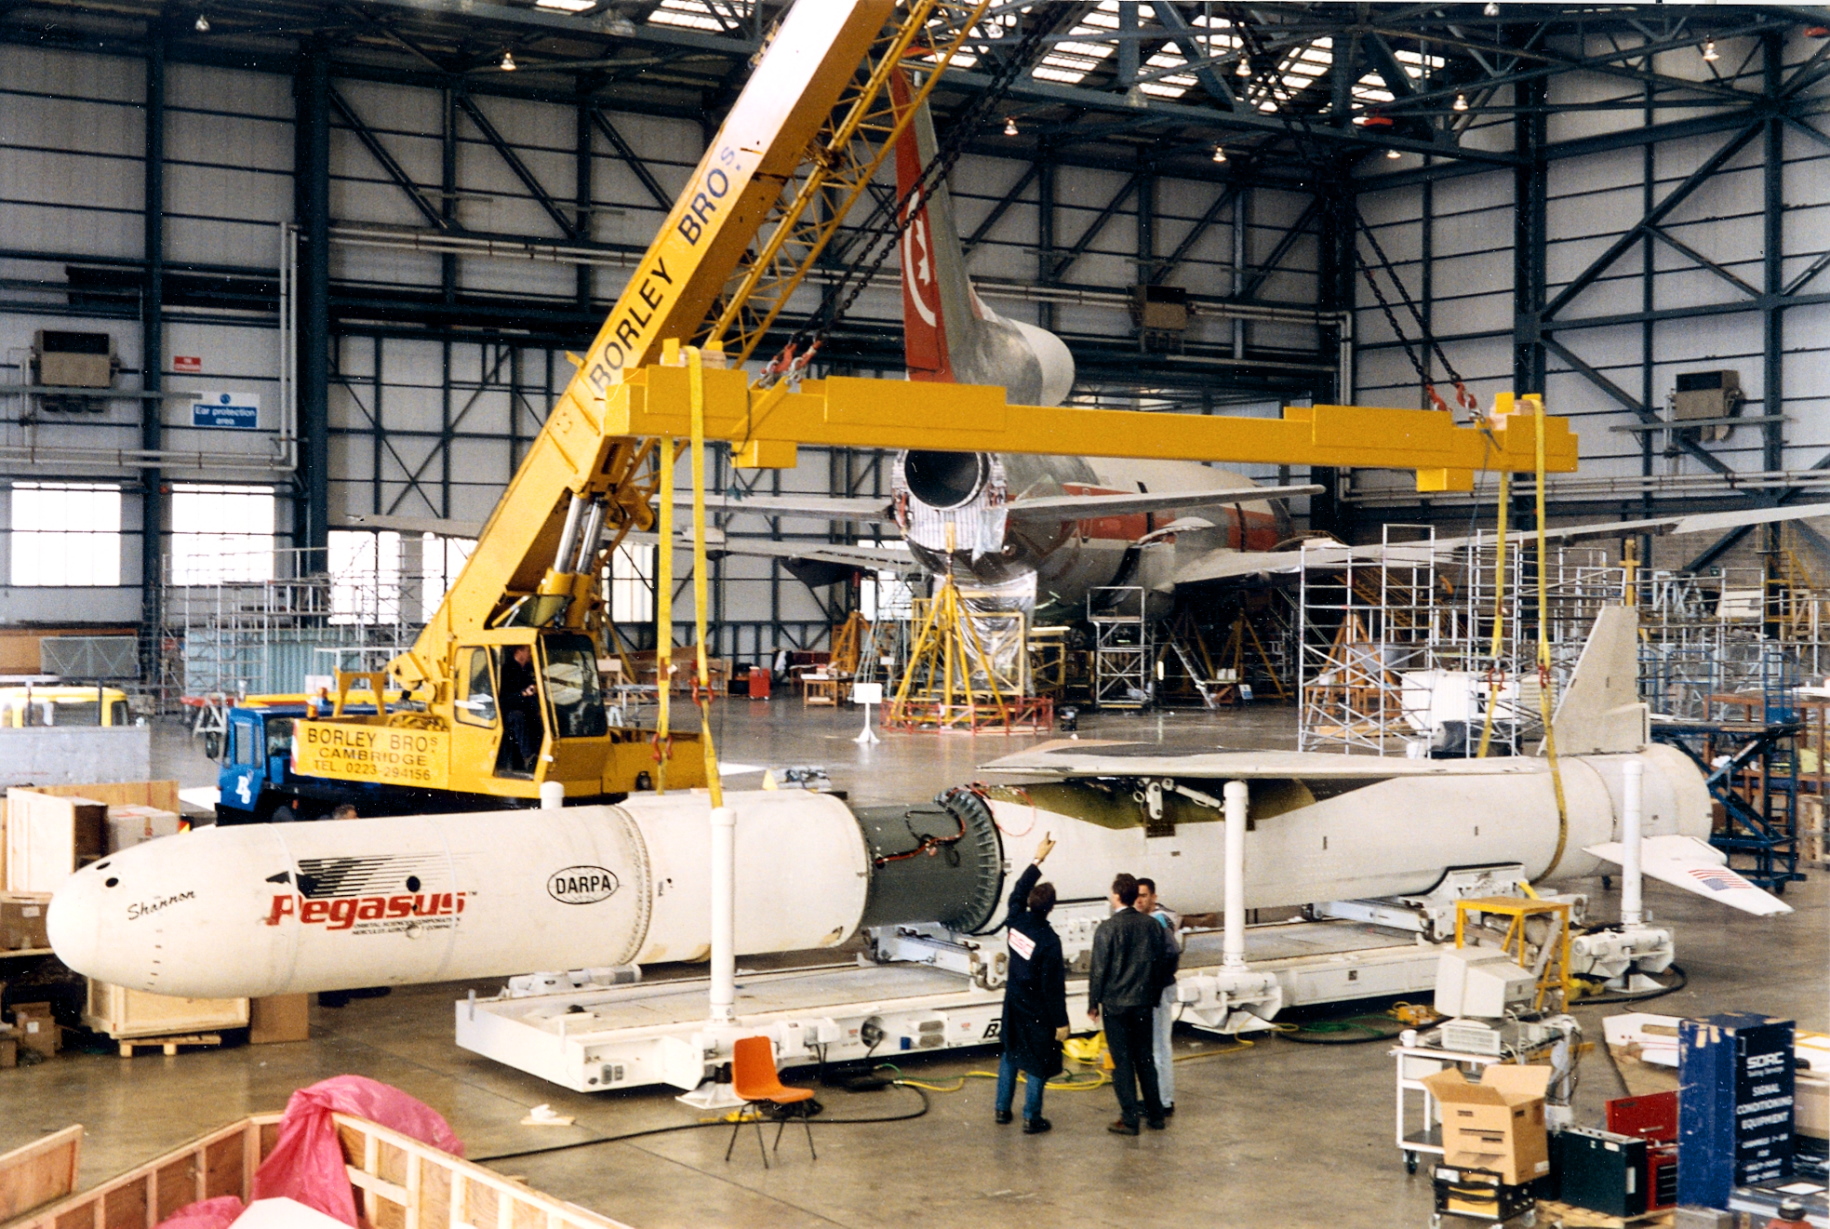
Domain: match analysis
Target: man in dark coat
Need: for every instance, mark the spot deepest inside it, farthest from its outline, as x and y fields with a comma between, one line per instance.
x=521, y=708
x=1035, y=997
x=1130, y=955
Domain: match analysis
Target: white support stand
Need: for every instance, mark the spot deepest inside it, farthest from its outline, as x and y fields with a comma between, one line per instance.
x=1632, y=877
x=1233, y=998
x=721, y=1026
x=1233, y=919
x=867, y=694
x=552, y=795
x=724, y=915
x=1623, y=957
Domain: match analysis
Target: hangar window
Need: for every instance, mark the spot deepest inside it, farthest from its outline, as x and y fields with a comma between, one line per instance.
x=222, y=534
x=632, y=585
x=365, y=576
x=66, y=533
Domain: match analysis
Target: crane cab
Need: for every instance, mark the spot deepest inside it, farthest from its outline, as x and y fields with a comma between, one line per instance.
x=523, y=706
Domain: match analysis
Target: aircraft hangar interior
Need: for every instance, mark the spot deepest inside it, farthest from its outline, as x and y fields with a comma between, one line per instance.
x=866, y=613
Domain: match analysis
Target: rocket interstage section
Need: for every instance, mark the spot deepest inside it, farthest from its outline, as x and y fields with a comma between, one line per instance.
x=939, y=862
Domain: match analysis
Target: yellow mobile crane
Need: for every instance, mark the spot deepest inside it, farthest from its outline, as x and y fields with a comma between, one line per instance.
x=500, y=693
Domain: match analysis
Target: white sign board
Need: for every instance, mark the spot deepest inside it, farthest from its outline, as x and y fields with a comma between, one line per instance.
x=867, y=693
x=234, y=411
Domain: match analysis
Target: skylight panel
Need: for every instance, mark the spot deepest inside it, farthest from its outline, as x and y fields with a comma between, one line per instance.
x=692, y=14
x=565, y=6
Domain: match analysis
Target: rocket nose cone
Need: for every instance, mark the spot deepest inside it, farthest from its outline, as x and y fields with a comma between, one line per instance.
x=73, y=920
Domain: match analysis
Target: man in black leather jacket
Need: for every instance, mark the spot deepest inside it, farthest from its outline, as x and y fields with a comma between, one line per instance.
x=1130, y=954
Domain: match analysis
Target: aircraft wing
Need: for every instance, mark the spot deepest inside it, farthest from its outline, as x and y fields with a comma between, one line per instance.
x=1232, y=565
x=1696, y=866
x=814, y=507
x=1082, y=507
x=872, y=558
x=1071, y=758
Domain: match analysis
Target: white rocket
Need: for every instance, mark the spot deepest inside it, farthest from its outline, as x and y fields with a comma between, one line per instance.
x=282, y=908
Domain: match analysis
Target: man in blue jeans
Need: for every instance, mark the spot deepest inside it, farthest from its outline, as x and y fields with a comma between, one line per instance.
x=1035, y=997
x=1163, y=1019
x=1130, y=957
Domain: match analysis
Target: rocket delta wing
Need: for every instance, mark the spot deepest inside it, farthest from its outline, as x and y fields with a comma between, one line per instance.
x=1696, y=866
x=1068, y=759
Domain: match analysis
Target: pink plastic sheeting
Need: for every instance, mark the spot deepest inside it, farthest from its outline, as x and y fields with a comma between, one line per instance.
x=306, y=1163
x=217, y=1213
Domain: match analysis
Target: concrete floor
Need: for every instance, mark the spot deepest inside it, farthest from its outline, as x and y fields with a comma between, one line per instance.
x=1278, y=1133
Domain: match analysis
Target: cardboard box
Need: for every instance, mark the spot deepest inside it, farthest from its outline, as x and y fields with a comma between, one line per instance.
x=9, y=1052
x=22, y=921
x=35, y=1029
x=1497, y=1124
x=283, y=1017
x=134, y=824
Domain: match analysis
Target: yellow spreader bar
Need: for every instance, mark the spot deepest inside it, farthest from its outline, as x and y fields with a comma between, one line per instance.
x=766, y=426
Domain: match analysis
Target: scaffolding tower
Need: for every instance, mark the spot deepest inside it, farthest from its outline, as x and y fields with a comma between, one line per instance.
x=1121, y=647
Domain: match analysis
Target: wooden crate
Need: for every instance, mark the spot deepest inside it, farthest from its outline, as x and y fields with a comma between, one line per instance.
x=48, y=836
x=120, y=1012
x=400, y=1184
x=34, y=810
x=160, y=794
x=35, y=1174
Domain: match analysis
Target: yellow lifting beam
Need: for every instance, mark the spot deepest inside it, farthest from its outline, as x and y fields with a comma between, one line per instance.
x=764, y=427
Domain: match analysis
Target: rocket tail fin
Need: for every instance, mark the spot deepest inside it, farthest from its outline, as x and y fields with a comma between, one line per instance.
x=1600, y=712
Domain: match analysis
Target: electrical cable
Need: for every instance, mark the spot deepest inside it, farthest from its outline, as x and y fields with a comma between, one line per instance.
x=1328, y=1032
x=703, y=1124
x=1683, y=979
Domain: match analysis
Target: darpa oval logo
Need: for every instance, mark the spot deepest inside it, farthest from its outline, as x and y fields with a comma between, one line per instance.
x=581, y=885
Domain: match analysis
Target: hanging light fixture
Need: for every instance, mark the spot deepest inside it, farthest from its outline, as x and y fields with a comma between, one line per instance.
x=1492, y=9
x=203, y=24
x=1461, y=103
x=1010, y=125
x=1393, y=154
x=1710, y=54
x=1219, y=153
x=508, y=62
x=1245, y=67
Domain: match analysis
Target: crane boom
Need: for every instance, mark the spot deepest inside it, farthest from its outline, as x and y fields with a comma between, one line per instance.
x=501, y=687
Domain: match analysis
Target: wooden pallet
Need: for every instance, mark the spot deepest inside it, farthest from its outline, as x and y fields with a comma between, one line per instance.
x=1567, y=1216
x=169, y=1044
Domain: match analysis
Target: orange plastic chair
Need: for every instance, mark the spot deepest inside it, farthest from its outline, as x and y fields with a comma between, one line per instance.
x=753, y=1078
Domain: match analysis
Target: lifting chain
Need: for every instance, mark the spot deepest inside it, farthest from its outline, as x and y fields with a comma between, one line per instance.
x=882, y=231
